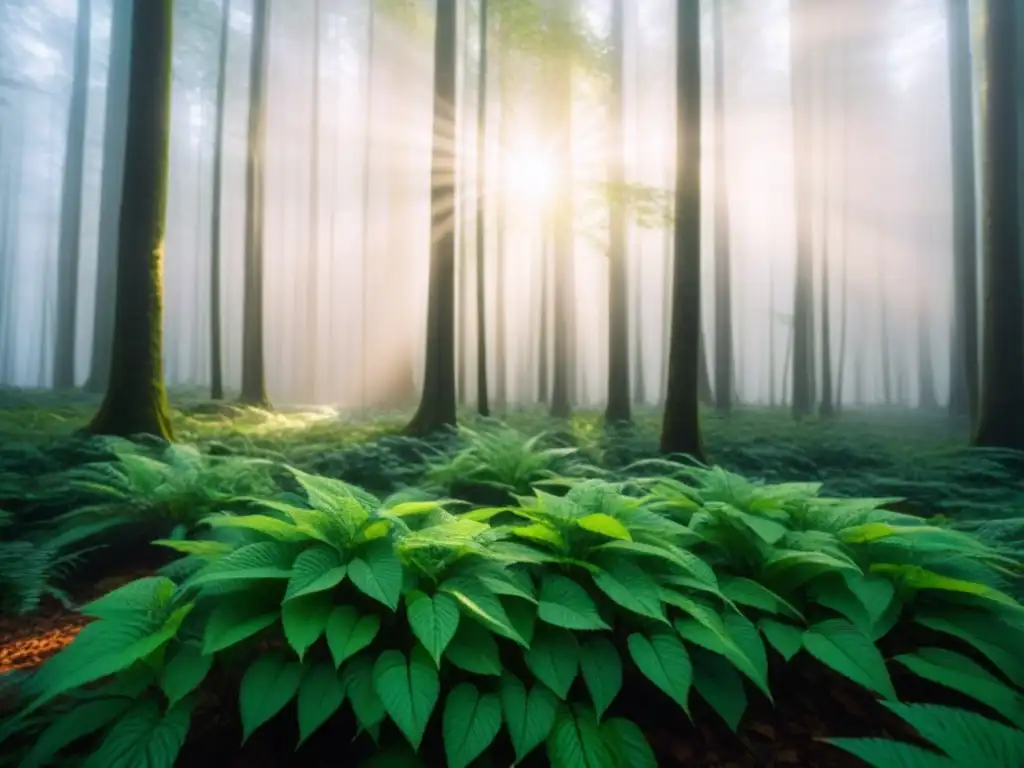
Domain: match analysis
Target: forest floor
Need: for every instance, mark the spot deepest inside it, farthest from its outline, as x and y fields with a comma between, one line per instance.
x=915, y=456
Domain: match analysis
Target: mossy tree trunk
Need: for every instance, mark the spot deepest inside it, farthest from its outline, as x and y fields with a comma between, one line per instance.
x=680, y=431
x=618, y=409
x=69, y=247
x=254, y=382
x=135, y=401
x=1000, y=417
x=437, y=407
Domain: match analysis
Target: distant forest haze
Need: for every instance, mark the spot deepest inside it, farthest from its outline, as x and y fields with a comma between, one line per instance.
x=585, y=204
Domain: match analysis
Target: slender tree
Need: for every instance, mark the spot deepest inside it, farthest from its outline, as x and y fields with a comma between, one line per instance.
x=438, y=401
x=680, y=432
x=135, y=401
x=312, y=345
x=112, y=175
x=69, y=246
x=618, y=407
x=254, y=382
x=723, y=272
x=482, y=403
x=216, y=356
x=1000, y=417
x=964, y=378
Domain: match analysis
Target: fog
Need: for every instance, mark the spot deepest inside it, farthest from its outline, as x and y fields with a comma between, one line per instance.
x=348, y=180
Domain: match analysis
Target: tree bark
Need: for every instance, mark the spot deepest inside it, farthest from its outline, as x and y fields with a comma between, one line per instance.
x=437, y=407
x=482, y=404
x=723, y=277
x=136, y=401
x=216, y=355
x=680, y=432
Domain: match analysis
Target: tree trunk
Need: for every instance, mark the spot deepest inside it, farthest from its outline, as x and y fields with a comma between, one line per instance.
x=723, y=277
x=618, y=406
x=826, y=406
x=964, y=375
x=437, y=407
x=216, y=354
x=368, y=146
x=254, y=383
x=68, y=254
x=482, y=404
x=501, y=342
x=680, y=432
x=1000, y=417
x=312, y=346
x=114, y=125
x=135, y=401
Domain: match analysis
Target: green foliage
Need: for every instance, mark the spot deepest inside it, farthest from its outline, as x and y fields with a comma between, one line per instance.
x=532, y=616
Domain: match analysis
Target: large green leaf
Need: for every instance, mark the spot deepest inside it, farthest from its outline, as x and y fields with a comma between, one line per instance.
x=184, y=672
x=470, y=723
x=357, y=679
x=663, y=660
x=630, y=586
x=348, y=632
x=377, y=573
x=838, y=644
x=304, y=619
x=606, y=525
x=84, y=719
x=153, y=593
x=474, y=650
x=321, y=694
x=233, y=621
x=601, y=668
x=554, y=658
x=960, y=673
x=784, y=638
x=267, y=686
x=720, y=685
x=529, y=715
x=564, y=603
x=885, y=753
x=316, y=569
x=144, y=736
x=967, y=737
x=994, y=639
x=262, y=560
x=748, y=592
x=482, y=604
x=408, y=690
x=628, y=743
x=433, y=620
x=576, y=741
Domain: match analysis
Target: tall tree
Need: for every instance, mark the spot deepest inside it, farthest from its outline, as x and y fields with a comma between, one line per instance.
x=254, y=381
x=114, y=125
x=482, y=403
x=438, y=401
x=680, y=431
x=135, y=401
x=964, y=375
x=1000, y=417
x=803, y=312
x=618, y=407
x=723, y=272
x=216, y=357
x=69, y=247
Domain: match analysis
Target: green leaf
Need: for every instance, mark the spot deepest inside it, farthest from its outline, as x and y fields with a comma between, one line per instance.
x=885, y=753
x=358, y=681
x=744, y=633
x=529, y=716
x=433, y=621
x=304, y=619
x=470, y=724
x=274, y=527
x=482, y=604
x=602, y=672
x=606, y=525
x=554, y=658
x=152, y=593
x=408, y=691
x=348, y=632
x=377, y=573
x=267, y=686
x=522, y=616
x=630, y=586
x=251, y=562
x=838, y=644
x=321, y=694
x=564, y=603
x=874, y=592
x=720, y=685
x=232, y=621
x=628, y=743
x=784, y=638
x=992, y=638
x=968, y=738
x=576, y=741
x=539, y=532
x=144, y=736
x=663, y=660
x=184, y=672
x=317, y=569
x=84, y=719
x=474, y=649
x=747, y=592
x=953, y=670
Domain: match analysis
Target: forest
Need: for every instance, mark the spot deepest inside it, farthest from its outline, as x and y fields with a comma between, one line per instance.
x=470, y=383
